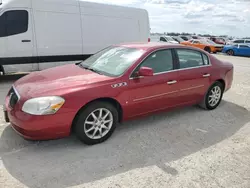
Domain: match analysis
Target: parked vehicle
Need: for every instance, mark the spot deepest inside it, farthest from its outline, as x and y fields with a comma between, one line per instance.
x=118, y=83
x=178, y=39
x=237, y=50
x=33, y=32
x=238, y=41
x=204, y=44
x=186, y=37
x=218, y=40
x=162, y=38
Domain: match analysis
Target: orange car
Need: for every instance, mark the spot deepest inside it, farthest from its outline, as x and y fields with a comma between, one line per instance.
x=204, y=44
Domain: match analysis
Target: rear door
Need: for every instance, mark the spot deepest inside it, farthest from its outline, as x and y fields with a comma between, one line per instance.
x=193, y=75
x=160, y=91
x=244, y=50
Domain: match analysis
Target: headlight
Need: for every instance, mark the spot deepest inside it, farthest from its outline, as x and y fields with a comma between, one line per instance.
x=43, y=105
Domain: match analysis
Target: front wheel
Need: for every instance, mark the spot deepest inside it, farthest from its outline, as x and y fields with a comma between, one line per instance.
x=230, y=52
x=213, y=96
x=96, y=123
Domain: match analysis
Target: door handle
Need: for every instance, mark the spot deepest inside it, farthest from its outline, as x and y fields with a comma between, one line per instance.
x=171, y=82
x=206, y=75
x=26, y=40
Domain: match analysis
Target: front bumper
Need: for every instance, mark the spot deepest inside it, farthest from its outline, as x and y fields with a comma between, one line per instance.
x=39, y=127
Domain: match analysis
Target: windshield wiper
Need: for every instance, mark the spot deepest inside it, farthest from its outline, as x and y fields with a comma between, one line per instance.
x=91, y=69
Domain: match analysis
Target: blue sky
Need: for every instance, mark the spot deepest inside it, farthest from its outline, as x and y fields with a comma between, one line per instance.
x=230, y=17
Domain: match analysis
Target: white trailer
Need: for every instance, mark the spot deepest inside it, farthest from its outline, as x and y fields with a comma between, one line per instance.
x=38, y=34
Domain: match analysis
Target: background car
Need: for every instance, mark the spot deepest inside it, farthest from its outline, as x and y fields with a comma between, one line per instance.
x=178, y=39
x=185, y=37
x=218, y=40
x=204, y=44
x=163, y=38
x=118, y=83
x=238, y=41
x=237, y=50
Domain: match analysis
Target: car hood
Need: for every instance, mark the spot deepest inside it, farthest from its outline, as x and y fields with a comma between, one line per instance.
x=57, y=80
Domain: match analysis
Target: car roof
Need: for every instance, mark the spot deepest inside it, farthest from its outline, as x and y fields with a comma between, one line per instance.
x=154, y=45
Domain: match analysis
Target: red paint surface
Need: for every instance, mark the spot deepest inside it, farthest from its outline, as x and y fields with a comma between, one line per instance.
x=139, y=97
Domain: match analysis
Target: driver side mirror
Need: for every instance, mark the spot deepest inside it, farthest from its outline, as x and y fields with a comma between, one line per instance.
x=145, y=71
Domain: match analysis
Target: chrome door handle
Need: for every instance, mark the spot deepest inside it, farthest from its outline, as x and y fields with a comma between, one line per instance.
x=171, y=82
x=206, y=75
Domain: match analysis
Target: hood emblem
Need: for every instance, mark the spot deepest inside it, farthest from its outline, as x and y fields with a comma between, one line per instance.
x=119, y=85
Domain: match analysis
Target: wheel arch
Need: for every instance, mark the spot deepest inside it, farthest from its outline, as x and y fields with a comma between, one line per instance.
x=110, y=100
x=222, y=82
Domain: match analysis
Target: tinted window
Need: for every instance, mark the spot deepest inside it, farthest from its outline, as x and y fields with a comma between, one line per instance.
x=247, y=41
x=189, y=58
x=205, y=59
x=244, y=46
x=159, y=61
x=163, y=39
x=239, y=41
x=13, y=22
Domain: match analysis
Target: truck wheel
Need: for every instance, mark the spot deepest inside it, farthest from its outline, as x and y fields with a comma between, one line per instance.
x=96, y=123
x=1, y=71
x=207, y=49
x=213, y=96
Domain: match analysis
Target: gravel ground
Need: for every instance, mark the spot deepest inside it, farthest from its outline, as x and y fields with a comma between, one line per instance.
x=188, y=147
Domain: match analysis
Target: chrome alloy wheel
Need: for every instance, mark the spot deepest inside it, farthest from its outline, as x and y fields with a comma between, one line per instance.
x=98, y=123
x=214, y=96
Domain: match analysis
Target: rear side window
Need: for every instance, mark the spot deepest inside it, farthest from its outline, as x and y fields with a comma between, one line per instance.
x=239, y=41
x=205, y=59
x=244, y=46
x=13, y=22
x=189, y=58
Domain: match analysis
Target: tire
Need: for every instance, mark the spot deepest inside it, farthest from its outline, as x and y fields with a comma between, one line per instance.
x=1, y=71
x=88, y=128
x=230, y=52
x=206, y=104
x=207, y=49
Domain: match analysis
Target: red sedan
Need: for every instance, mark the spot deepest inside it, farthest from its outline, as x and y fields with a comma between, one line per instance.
x=116, y=84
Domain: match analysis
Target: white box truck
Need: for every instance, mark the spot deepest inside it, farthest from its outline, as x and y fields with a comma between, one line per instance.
x=37, y=34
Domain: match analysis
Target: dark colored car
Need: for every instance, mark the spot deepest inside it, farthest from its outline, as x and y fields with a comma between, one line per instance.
x=118, y=83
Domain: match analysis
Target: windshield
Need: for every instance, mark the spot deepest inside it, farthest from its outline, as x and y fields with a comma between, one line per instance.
x=112, y=61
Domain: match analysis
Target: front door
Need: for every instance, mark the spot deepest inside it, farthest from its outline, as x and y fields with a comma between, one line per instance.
x=152, y=93
x=194, y=75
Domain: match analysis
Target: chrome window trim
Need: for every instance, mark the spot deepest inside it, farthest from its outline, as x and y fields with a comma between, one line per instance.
x=174, y=70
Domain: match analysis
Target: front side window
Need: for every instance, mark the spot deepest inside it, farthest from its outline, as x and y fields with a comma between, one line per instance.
x=160, y=61
x=112, y=61
x=189, y=58
x=247, y=41
x=13, y=22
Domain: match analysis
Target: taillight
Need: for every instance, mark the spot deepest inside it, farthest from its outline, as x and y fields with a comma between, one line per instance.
x=148, y=39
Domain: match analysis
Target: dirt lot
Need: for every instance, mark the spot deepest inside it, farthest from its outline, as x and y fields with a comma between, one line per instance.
x=187, y=148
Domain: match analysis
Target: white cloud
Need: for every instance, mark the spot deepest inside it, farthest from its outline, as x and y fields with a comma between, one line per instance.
x=231, y=17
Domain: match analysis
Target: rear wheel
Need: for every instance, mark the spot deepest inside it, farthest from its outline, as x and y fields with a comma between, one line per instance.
x=96, y=123
x=207, y=49
x=213, y=96
x=230, y=52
